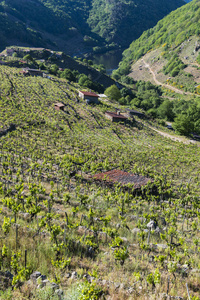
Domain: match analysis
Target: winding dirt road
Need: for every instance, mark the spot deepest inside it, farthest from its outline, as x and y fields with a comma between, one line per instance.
x=163, y=84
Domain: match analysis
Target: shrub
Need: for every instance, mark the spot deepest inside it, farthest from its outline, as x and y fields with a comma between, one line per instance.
x=113, y=92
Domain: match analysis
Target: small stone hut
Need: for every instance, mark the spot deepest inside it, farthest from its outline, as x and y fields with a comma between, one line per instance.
x=32, y=72
x=59, y=106
x=115, y=116
x=92, y=97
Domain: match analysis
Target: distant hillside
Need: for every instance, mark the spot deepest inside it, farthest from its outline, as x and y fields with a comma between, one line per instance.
x=42, y=23
x=47, y=59
x=78, y=26
x=124, y=21
x=171, y=31
x=167, y=56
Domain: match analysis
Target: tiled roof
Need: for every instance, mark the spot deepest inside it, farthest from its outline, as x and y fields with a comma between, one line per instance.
x=89, y=94
x=115, y=115
x=134, y=111
x=34, y=70
x=123, y=178
x=59, y=104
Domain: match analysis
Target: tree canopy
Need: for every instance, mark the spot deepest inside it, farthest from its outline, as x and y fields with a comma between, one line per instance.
x=113, y=92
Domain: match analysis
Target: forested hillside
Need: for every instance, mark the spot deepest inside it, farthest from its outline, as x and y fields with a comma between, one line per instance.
x=171, y=31
x=168, y=56
x=124, y=21
x=32, y=22
x=75, y=26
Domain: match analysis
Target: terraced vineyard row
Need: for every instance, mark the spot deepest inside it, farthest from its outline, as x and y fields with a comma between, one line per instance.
x=91, y=240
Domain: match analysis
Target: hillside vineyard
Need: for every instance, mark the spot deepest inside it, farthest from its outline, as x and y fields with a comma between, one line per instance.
x=99, y=175
x=87, y=237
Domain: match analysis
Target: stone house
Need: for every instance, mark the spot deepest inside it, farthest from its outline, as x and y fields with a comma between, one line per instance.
x=115, y=116
x=59, y=106
x=92, y=97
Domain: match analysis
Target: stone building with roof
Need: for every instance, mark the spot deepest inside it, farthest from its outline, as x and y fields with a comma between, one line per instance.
x=115, y=116
x=92, y=97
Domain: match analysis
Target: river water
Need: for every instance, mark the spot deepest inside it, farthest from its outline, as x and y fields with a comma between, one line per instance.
x=109, y=59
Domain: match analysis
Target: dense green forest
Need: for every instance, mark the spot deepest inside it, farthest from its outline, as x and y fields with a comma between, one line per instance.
x=123, y=21
x=49, y=16
x=93, y=24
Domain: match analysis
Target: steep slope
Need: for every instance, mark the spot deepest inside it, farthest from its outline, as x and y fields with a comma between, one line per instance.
x=77, y=26
x=173, y=30
x=123, y=21
x=39, y=22
x=46, y=58
x=79, y=235
x=168, y=56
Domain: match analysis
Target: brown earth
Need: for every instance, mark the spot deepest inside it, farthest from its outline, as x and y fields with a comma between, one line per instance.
x=149, y=68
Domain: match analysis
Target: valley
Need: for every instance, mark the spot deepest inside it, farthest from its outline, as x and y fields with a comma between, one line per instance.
x=99, y=170
x=77, y=27
x=110, y=60
x=83, y=237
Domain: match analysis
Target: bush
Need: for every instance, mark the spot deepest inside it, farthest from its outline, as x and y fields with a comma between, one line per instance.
x=113, y=92
x=165, y=110
x=86, y=82
x=90, y=291
x=67, y=74
x=175, y=72
x=46, y=293
x=152, y=112
x=183, y=125
x=53, y=69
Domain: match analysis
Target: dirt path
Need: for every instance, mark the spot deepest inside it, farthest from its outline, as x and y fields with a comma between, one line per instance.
x=163, y=84
x=172, y=137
